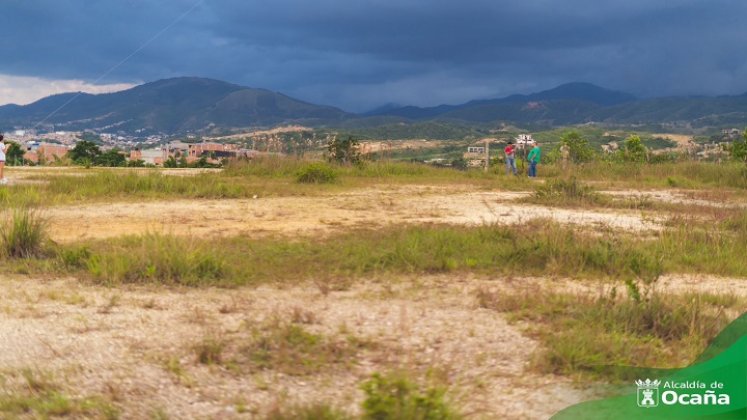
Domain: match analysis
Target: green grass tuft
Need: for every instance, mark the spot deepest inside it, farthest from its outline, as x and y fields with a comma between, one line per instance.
x=316, y=411
x=23, y=234
x=316, y=173
x=293, y=350
x=395, y=397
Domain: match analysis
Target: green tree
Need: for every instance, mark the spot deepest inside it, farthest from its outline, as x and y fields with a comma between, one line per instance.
x=170, y=163
x=738, y=148
x=578, y=147
x=633, y=149
x=459, y=163
x=84, y=152
x=14, y=154
x=112, y=158
x=344, y=152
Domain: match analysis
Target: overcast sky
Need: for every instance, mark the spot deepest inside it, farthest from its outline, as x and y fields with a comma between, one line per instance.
x=359, y=54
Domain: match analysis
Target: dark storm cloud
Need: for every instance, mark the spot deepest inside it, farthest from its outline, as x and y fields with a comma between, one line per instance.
x=358, y=54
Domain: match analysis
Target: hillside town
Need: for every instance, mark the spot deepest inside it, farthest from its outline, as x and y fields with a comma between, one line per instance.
x=53, y=147
x=45, y=148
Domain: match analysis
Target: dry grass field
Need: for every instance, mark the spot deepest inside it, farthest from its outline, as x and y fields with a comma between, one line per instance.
x=151, y=295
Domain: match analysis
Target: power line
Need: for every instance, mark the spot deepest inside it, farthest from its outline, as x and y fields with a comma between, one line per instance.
x=124, y=60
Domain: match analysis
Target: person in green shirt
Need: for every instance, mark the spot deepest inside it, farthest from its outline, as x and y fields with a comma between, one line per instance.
x=534, y=157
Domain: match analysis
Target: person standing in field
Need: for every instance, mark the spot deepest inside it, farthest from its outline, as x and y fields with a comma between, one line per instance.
x=534, y=158
x=3, y=147
x=565, y=155
x=510, y=152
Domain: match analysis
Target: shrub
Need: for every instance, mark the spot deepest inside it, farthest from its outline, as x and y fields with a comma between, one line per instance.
x=578, y=147
x=395, y=397
x=23, y=235
x=559, y=191
x=316, y=173
x=633, y=149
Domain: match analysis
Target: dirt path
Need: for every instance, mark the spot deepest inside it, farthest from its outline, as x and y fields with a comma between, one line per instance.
x=319, y=215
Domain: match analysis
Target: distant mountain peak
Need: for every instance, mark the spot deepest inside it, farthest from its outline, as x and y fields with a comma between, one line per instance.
x=383, y=109
x=586, y=92
x=575, y=91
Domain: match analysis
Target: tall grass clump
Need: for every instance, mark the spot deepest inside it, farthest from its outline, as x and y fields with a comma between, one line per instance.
x=381, y=169
x=584, y=334
x=19, y=196
x=164, y=259
x=537, y=248
x=737, y=224
x=697, y=247
x=265, y=167
x=23, y=233
x=689, y=174
x=112, y=184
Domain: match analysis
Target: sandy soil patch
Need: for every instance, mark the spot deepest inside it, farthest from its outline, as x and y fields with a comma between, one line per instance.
x=375, y=146
x=702, y=198
x=292, y=216
x=677, y=284
x=682, y=140
x=116, y=343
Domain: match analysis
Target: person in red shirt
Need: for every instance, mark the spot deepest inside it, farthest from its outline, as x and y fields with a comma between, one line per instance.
x=510, y=152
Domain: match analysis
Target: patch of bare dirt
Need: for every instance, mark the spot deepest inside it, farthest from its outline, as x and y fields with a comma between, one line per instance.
x=123, y=344
x=376, y=146
x=293, y=216
x=118, y=343
x=718, y=199
x=683, y=141
x=668, y=284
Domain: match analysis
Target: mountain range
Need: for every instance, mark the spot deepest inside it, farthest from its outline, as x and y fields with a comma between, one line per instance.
x=189, y=104
x=169, y=106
